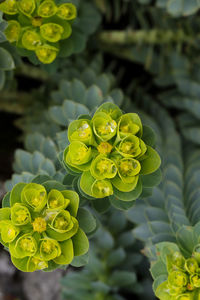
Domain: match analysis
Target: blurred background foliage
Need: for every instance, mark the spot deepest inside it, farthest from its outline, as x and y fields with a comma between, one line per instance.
x=143, y=55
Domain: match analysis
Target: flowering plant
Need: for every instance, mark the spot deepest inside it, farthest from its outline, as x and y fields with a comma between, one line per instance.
x=40, y=228
x=109, y=152
x=38, y=26
x=180, y=278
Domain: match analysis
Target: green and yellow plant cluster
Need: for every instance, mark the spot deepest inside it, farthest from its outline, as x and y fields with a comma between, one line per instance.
x=40, y=227
x=38, y=26
x=109, y=152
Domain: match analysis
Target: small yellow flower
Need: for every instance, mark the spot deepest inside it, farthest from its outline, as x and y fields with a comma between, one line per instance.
x=104, y=148
x=39, y=225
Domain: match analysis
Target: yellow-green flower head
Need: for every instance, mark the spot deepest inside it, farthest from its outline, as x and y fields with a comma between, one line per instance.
x=46, y=53
x=47, y=9
x=183, y=280
x=177, y=279
x=9, y=7
x=178, y=260
x=102, y=189
x=40, y=227
x=51, y=32
x=80, y=130
x=31, y=40
x=67, y=11
x=26, y=7
x=195, y=280
x=109, y=152
x=38, y=26
x=191, y=265
x=12, y=31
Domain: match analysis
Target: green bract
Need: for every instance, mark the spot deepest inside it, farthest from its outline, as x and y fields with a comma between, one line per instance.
x=40, y=228
x=180, y=279
x=110, y=153
x=38, y=25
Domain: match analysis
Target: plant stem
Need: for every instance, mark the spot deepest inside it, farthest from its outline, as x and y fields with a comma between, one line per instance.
x=15, y=102
x=32, y=72
x=153, y=36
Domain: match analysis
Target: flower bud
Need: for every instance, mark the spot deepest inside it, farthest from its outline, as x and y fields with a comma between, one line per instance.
x=67, y=11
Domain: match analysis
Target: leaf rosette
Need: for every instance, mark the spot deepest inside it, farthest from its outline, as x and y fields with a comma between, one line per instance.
x=109, y=153
x=38, y=27
x=40, y=227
